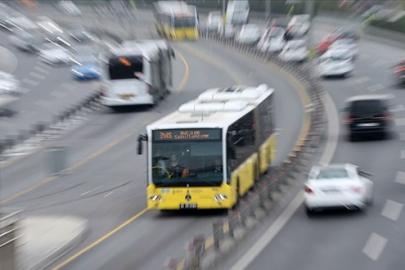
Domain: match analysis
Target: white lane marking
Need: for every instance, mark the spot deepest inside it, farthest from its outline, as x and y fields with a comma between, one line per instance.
x=30, y=82
x=378, y=63
x=42, y=70
x=400, y=121
x=38, y=76
x=109, y=193
x=397, y=108
x=390, y=96
x=87, y=192
x=392, y=210
x=57, y=94
x=402, y=136
x=43, y=103
x=374, y=246
x=362, y=79
x=400, y=178
x=68, y=86
x=375, y=87
x=271, y=232
x=8, y=60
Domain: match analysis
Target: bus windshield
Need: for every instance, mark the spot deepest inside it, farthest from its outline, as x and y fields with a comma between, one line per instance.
x=120, y=68
x=193, y=162
x=184, y=22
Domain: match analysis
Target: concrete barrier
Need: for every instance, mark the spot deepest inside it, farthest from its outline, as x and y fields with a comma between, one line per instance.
x=8, y=236
x=228, y=232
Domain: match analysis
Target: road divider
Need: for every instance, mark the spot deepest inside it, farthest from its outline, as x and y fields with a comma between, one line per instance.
x=206, y=251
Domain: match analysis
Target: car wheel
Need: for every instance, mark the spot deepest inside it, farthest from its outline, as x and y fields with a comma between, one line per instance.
x=309, y=212
x=352, y=137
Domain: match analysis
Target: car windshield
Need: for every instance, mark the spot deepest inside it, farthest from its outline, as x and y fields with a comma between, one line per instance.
x=367, y=106
x=332, y=173
x=187, y=157
x=335, y=57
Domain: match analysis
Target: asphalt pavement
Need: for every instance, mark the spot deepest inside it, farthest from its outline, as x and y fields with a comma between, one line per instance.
x=107, y=180
x=372, y=239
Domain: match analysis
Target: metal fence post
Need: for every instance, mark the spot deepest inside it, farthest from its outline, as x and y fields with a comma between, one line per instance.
x=56, y=159
x=218, y=232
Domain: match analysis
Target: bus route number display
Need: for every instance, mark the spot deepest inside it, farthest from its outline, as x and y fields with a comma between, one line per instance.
x=178, y=134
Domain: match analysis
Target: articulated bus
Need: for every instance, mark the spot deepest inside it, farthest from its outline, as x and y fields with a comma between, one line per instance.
x=209, y=153
x=176, y=20
x=137, y=73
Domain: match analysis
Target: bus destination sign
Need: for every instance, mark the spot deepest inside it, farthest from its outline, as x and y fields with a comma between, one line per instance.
x=187, y=134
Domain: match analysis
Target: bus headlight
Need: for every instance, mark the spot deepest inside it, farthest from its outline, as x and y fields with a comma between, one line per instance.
x=155, y=198
x=220, y=197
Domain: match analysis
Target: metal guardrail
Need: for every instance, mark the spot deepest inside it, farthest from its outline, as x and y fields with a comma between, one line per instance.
x=226, y=233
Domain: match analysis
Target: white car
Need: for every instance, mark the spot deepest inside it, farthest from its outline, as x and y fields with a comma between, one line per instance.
x=48, y=26
x=70, y=8
x=214, y=21
x=295, y=51
x=54, y=54
x=273, y=41
x=249, y=34
x=299, y=25
x=26, y=41
x=9, y=84
x=337, y=186
x=335, y=62
x=348, y=44
x=23, y=23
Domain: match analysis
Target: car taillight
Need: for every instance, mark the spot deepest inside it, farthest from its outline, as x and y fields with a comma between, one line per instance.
x=348, y=119
x=356, y=189
x=399, y=70
x=308, y=190
x=103, y=92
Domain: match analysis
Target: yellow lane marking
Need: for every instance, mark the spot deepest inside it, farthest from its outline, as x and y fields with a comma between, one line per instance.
x=213, y=62
x=186, y=72
x=209, y=242
x=100, y=240
x=93, y=155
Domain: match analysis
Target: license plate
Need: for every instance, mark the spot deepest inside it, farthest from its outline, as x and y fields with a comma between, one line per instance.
x=368, y=125
x=188, y=206
x=126, y=96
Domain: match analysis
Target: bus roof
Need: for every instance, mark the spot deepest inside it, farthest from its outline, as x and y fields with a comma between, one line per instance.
x=217, y=113
x=145, y=50
x=160, y=43
x=179, y=8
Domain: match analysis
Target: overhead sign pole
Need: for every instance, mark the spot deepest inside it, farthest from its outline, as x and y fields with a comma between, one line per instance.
x=267, y=9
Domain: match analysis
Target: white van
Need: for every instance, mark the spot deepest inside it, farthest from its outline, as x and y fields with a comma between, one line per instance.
x=137, y=73
x=237, y=12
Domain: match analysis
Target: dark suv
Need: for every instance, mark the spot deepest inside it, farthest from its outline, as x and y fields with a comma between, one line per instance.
x=368, y=114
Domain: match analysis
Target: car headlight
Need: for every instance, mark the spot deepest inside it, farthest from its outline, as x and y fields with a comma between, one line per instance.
x=155, y=198
x=220, y=197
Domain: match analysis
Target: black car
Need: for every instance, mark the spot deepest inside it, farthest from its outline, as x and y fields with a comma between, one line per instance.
x=366, y=115
x=399, y=73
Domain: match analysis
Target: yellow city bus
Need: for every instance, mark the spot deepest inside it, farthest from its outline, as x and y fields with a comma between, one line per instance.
x=209, y=153
x=176, y=20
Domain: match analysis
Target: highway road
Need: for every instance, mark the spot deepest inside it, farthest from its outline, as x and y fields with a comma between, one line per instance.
x=46, y=90
x=107, y=180
x=373, y=239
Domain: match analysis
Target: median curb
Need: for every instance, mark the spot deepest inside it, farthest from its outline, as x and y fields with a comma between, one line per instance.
x=204, y=252
x=36, y=248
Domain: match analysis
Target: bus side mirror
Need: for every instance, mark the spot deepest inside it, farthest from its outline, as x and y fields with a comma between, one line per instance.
x=173, y=54
x=141, y=138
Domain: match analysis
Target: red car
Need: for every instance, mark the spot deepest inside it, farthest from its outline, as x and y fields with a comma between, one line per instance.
x=340, y=33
